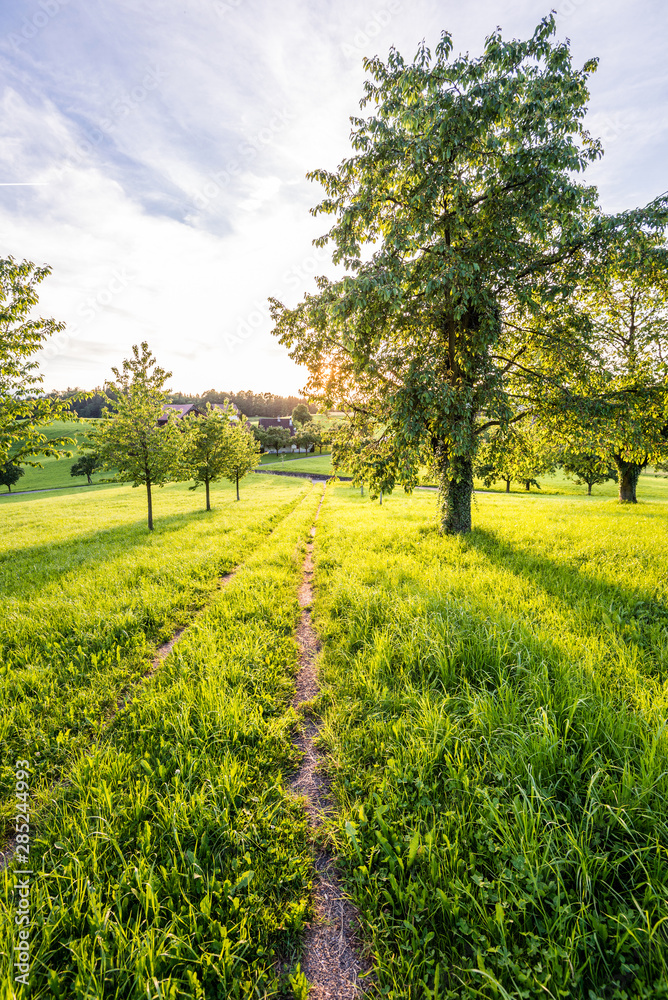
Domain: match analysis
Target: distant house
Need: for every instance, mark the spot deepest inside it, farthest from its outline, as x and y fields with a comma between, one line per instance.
x=264, y=423
x=183, y=409
x=180, y=409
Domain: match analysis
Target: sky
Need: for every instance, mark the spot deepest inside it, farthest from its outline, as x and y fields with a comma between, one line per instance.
x=154, y=154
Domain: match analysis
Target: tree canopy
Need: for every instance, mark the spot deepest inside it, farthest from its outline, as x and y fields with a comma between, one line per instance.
x=627, y=306
x=465, y=232
x=274, y=438
x=301, y=415
x=23, y=408
x=243, y=453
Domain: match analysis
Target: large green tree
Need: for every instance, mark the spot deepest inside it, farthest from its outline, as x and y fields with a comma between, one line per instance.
x=459, y=220
x=129, y=438
x=24, y=410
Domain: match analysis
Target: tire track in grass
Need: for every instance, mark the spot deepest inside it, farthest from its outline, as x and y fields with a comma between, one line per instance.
x=163, y=651
x=8, y=849
x=329, y=960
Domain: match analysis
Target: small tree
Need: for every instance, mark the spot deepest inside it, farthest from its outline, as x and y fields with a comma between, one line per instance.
x=86, y=465
x=318, y=437
x=130, y=439
x=301, y=415
x=520, y=453
x=243, y=453
x=304, y=439
x=208, y=447
x=493, y=461
x=275, y=438
x=10, y=474
x=588, y=469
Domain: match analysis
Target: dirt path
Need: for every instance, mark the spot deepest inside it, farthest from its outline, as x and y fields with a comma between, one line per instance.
x=330, y=959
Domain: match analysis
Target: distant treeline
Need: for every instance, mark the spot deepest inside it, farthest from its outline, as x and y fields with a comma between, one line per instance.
x=252, y=404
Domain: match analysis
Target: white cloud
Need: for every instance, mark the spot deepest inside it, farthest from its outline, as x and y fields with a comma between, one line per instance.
x=171, y=146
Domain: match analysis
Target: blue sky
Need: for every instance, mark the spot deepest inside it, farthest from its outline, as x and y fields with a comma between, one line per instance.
x=154, y=154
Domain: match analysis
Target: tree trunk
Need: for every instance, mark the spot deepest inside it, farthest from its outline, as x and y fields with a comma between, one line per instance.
x=588, y=489
x=9, y=487
x=237, y=484
x=527, y=485
x=362, y=490
x=90, y=481
x=629, y=473
x=381, y=498
x=150, y=504
x=208, y=499
x=455, y=489
x=507, y=485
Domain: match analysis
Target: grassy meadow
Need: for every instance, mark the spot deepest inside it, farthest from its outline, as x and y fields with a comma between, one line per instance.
x=88, y=594
x=172, y=863
x=496, y=721
x=493, y=723
x=306, y=464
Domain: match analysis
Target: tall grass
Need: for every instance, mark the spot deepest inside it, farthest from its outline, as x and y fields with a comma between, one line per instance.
x=173, y=864
x=498, y=731
x=87, y=594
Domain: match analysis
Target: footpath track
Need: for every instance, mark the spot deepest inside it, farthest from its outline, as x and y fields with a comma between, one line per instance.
x=175, y=859
x=330, y=959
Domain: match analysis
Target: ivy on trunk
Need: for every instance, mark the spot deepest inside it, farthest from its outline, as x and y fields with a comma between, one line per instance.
x=629, y=473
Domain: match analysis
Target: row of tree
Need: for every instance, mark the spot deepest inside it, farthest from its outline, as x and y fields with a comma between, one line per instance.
x=524, y=452
x=129, y=440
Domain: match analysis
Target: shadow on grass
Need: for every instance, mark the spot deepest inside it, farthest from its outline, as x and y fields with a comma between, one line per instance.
x=607, y=607
x=57, y=558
